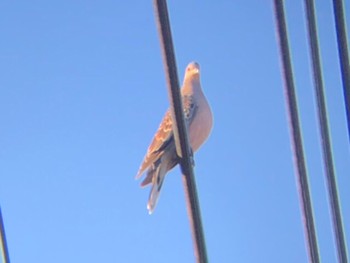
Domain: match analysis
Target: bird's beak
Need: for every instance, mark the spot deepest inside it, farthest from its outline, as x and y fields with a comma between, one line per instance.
x=196, y=71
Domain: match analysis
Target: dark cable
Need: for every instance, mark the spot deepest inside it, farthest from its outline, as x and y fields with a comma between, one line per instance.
x=340, y=26
x=5, y=253
x=180, y=131
x=296, y=138
x=325, y=136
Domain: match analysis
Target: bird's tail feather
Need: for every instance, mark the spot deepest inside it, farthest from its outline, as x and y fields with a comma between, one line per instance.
x=158, y=171
x=149, y=177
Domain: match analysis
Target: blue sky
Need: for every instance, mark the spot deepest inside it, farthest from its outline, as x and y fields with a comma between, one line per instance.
x=82, y=92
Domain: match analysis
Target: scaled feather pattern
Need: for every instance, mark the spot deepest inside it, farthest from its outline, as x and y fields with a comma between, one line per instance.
x=161, y=155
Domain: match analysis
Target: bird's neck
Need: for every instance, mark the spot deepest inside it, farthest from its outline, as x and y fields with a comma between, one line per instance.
x=190, y=85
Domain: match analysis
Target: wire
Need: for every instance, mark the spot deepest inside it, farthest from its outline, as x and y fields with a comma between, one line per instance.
x=180, y=131
x=340, y=26
x=296, y=137
x=4, y=250
x=325, y=136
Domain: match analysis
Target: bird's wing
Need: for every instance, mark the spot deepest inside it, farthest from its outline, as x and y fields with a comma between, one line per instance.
x=162, y=138
x=164, y=135
x=190, y=108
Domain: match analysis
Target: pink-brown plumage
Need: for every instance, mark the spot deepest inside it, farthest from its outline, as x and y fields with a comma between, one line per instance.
x=161, y=154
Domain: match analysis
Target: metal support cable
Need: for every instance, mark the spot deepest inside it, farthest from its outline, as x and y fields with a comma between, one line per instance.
x=325, y=136
x=297, y=145
x=340, y=26
x=4, y=250
x=180, y=131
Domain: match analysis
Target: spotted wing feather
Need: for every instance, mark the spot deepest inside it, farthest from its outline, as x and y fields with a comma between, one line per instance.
x=190, y=108
x=163, y=136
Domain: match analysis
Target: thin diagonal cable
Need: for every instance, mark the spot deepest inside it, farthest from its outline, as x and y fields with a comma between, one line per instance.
x=325, y=136
x=180, y=131
x=4, y=250
x=296, y=137
x=339, y=17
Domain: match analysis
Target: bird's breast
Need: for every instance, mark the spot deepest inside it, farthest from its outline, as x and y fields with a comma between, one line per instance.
x=201, y=125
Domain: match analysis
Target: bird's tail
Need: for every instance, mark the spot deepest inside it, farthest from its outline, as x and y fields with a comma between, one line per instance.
x=157, y=172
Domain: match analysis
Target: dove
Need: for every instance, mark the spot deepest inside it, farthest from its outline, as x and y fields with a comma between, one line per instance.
x=161, y=155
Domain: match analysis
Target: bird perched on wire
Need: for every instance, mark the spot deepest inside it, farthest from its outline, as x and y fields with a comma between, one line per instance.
x=161, y=155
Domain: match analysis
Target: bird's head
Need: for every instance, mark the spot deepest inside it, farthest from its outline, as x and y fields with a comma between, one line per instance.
x=192, y=71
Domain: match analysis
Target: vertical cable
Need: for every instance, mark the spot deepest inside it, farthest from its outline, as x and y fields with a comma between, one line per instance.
x=180, y=131
x=325, y=136
x=340, y=26
x=4, y=250
x=296, y=138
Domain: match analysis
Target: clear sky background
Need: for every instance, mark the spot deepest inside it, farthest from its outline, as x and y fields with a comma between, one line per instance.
x=82, y=91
